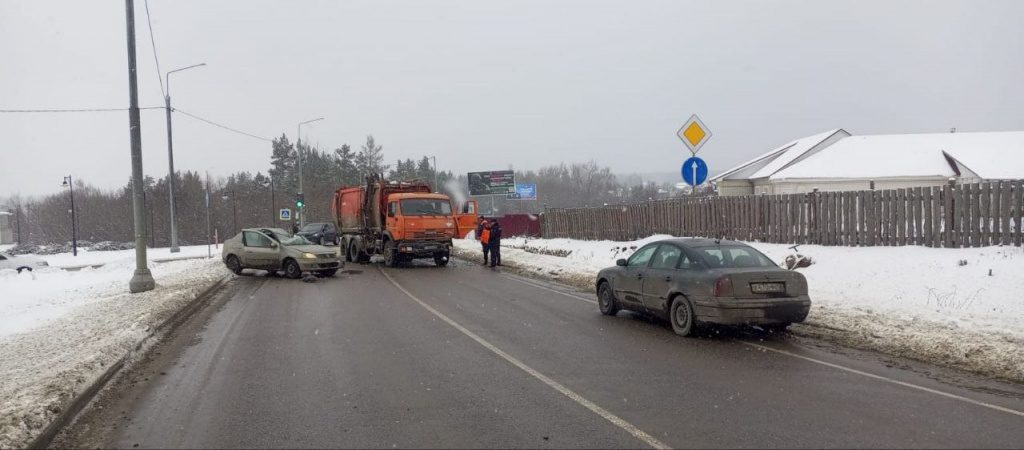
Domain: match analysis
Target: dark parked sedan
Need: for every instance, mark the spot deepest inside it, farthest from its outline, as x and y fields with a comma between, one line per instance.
x=691, y=282
x=322, y=233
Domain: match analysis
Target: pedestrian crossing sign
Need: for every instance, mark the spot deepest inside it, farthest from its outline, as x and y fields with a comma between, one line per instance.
x=286, y=214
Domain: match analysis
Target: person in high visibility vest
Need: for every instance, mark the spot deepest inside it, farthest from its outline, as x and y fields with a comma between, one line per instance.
x=485, y=239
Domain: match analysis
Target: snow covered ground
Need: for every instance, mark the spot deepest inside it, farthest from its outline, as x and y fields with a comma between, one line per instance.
x=60, y=330
x=90, y=258
x=909, y=301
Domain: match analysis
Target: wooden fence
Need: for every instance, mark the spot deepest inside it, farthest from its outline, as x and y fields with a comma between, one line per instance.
x=952, y=216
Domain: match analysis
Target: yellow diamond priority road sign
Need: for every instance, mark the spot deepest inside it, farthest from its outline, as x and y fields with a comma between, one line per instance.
x=694, y=133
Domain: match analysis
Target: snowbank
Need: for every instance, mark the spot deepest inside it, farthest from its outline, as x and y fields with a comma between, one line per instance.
x=60, y=330
x=92, y=258
x=910, y=301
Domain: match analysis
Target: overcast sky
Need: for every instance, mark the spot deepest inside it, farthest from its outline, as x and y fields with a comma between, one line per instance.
x=485, y=85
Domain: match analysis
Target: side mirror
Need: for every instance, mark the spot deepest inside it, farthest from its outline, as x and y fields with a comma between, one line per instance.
x=273, y=245
x=621, y=263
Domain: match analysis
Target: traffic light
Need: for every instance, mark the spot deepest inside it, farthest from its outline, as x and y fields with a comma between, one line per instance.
x=299, y=201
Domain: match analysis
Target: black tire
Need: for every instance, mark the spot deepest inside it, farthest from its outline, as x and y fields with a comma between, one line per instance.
x=390, y=255
x=684, y=322
x=292, y=269
x=321, y=240
x=441, y=259
x=337, y=241
x=347, y=250
x=606, y=300
x=234, y=265
x=24, y=268
x=327, y=273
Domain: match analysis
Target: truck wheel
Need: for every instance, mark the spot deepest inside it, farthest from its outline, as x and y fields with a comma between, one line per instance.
x=390, y=258
x=441, y=259
x=292, y=269
x=347, y=250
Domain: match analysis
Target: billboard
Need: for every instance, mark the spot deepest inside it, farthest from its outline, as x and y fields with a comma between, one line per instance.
x=524, y=191
x=499, y=182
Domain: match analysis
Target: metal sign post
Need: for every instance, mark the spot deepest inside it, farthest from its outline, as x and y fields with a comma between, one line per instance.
x=694, y=135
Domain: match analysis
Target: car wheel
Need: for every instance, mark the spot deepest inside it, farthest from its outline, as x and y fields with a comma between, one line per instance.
x=390, y=258
x=292, y=269
x=441, y=259
x=24, y=268
x=328, y=273
x=684, y=323
x=234, y=264
x=606, y=300
x=337, y=240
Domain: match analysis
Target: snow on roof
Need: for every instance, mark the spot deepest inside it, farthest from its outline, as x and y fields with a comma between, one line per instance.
x=777, y=157
x=798, y=149
x=912, y=155
x=993, y=156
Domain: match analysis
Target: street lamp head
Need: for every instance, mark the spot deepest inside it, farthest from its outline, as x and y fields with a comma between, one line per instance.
x=65, y=183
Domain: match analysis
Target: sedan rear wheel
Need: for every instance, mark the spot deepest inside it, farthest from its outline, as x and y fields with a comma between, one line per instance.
x=20, y=269
x=684, y=323
x=606, y=300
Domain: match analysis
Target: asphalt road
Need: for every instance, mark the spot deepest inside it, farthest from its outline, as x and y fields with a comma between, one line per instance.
x=467, y=357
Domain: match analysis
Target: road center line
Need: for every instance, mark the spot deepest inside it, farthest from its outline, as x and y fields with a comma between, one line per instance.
x=549, y=289
x=890, y=380
x=616, y=420
x=832, y=365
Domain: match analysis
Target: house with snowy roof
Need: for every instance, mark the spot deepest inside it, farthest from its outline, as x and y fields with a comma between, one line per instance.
x=838, y=161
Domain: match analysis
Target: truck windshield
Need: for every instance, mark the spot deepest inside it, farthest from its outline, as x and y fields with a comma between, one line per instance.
x=426, y=207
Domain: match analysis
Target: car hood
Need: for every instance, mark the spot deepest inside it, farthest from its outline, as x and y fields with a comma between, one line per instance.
x=311, y=248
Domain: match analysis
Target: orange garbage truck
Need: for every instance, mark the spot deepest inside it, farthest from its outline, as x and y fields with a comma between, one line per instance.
x=400, y=221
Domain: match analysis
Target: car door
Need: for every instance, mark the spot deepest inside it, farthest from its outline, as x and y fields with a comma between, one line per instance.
x=260, y=252
x=629, y=285
x=660, y=276
x=330, y=233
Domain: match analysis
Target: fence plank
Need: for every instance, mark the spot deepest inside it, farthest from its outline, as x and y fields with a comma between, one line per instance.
x=926, y=217
x=837, y=224
x=984, y=212
x=1018, y=216
x=1006, y=197
x=901, y=217
x=915, y=204
x=976, y=218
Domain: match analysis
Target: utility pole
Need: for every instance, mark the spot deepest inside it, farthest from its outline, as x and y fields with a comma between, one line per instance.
x=170, y=158
x=273, y=214
x=436, y=188
x=69, y=183
x=298, y=151
x=142, y=280
x=209, y=240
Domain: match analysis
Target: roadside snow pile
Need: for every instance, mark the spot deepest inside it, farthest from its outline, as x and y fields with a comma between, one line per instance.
x=60, y=330
x=89, y=257
x=916, y=302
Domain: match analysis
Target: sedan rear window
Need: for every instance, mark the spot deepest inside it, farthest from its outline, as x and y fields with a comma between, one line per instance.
x=733, y=256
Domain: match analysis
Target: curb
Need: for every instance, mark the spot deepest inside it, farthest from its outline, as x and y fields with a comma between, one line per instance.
x=69, y=413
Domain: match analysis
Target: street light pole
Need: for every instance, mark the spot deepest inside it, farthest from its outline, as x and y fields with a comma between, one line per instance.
x=436, y=189
x=69, y=183
x=298, y=150
x=170, y=157
x=273, y=215
x=142, y=280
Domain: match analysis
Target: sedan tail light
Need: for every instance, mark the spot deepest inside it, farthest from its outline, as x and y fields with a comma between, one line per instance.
x=723, y=287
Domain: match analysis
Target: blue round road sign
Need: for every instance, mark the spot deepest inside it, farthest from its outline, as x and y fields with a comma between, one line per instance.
x=689, y=172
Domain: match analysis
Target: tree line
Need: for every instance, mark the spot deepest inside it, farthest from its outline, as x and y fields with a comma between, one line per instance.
x=244, y=199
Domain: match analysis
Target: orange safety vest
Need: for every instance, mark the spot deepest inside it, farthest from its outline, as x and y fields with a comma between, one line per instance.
x=485, y=236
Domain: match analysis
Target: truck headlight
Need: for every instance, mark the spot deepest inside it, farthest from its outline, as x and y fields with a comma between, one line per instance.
x=308, y=255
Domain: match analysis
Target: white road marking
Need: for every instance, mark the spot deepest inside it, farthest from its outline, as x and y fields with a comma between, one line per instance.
x=889, y=380
x=832, y=365
x=552, y=290
x=616, y=420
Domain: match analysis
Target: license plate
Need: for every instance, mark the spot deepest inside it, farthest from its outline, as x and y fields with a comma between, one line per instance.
x=767, y=288
x=430, y=247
